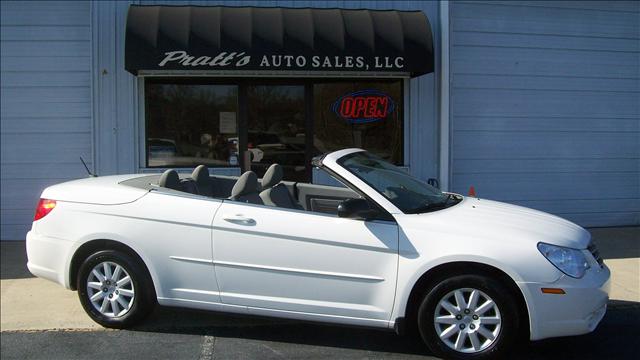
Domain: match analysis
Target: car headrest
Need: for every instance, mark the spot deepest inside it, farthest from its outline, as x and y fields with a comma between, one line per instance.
x=201, y=175
x=170, y=179
x=247, y=184
x=272, y=177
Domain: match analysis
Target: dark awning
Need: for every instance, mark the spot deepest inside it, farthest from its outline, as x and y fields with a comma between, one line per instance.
x=254, y=39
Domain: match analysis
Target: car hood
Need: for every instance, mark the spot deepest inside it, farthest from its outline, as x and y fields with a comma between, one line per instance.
x=500, y=221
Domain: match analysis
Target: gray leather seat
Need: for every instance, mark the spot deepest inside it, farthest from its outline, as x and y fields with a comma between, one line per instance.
x=275, y=193
x=203, y=181
x=246, y=189
x=170, y=179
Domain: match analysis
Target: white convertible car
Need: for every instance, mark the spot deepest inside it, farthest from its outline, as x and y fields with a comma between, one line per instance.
x=386, y=250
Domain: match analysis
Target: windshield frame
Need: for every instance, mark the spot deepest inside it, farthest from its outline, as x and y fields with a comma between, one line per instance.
x=445, y=197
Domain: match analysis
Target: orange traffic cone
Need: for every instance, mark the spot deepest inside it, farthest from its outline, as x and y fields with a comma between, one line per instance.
x=472, y=191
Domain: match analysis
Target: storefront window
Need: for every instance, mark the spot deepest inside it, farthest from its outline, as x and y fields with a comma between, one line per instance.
x=191, y=124
x=192, y=121
x=364, y=114
x=276, y=131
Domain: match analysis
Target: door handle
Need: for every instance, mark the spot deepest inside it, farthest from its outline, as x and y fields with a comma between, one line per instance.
x=239, y=219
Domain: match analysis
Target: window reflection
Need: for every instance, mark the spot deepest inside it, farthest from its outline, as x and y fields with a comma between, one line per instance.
x=276, y=132
x=191, y=121
x=188, y=125
x=382, y=136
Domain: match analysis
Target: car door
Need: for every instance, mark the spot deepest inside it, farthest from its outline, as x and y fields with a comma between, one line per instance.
x=305, y=262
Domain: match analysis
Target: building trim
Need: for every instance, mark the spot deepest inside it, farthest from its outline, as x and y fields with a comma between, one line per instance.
x=445, y=134
x=93, y=83
x=140, y=138
x=272, y=73
x=406, y=123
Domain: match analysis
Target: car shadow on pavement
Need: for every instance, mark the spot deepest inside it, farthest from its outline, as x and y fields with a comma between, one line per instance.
x=607, y=341
x=13, y=261
x=617, y=243
x=261, y=329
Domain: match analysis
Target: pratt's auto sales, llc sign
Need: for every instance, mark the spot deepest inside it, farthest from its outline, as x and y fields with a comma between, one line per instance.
x=240, y=60
x=225, y=39
x=363, y=106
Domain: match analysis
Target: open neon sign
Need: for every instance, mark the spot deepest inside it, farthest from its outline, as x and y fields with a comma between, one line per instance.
x=364, y=106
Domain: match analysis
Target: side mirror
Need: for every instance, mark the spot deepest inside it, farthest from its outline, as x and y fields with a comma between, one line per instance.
x=356, y=209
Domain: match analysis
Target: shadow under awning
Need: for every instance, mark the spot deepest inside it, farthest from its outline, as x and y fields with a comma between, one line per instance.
x=298, y=40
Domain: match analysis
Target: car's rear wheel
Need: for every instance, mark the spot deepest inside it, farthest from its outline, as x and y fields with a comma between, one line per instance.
x=114, y=289
x=468, y=317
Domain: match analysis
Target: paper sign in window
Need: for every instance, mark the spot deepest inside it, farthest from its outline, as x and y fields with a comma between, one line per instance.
x=227, y=122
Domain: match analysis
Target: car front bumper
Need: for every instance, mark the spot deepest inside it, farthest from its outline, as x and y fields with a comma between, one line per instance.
x=47, y=257
x=576, y=312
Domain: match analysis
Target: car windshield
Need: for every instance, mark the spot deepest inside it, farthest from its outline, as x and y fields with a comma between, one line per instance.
x=407, y=193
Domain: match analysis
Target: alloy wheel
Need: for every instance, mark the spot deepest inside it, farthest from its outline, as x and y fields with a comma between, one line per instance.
x=110, y=289
x=467, y=320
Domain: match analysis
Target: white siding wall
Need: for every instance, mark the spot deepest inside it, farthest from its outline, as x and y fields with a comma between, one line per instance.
x=45, y=103
x=545, y=104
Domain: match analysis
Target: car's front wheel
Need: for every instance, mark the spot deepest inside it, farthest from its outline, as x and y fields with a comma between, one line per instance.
x=114, y=289
x=468, y=317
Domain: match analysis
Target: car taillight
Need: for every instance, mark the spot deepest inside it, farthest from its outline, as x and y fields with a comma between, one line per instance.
x=44, y=207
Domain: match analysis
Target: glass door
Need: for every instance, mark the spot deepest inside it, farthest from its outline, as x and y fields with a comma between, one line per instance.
x=276, y=130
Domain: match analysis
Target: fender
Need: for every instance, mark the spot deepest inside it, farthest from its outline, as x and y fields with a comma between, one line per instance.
x=117, y=238
x=404, y=289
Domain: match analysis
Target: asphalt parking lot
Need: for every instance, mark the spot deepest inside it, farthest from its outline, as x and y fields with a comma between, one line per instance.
x=40, y=320
x=616, y=338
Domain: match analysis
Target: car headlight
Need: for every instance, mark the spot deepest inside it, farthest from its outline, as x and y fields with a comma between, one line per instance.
x=570, y=261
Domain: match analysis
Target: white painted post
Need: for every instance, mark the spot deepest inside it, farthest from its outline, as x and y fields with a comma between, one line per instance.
x=445, y=135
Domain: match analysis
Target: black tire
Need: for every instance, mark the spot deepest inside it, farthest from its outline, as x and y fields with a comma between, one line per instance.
x=143, y=302
x=505, y=302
